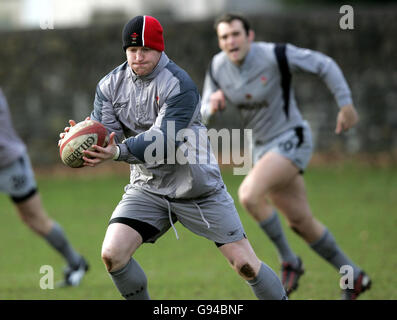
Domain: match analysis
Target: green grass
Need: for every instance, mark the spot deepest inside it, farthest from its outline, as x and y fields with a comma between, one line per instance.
x=357, y=204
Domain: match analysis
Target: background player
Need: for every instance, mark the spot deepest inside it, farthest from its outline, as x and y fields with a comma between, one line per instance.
x=17, y=180
x=254, y=77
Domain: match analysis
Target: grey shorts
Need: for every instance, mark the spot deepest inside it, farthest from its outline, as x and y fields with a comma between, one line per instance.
x=295, y=144
x=17, y=180
x=214, y=217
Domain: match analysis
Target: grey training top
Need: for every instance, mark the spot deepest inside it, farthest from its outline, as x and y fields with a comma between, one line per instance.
x=11, y=146
x=156, y=108
x=254, y=87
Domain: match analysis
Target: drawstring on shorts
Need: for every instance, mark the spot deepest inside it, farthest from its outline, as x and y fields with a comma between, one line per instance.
x=201, y=214
x=170, y=216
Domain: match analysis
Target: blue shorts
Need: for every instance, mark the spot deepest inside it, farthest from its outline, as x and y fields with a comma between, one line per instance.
x=17, y=180
x=295, y=144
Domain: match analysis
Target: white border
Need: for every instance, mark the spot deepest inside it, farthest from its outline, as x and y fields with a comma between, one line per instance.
x=143, y=31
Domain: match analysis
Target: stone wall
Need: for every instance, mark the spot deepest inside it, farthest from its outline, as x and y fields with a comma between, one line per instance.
x=49, y=76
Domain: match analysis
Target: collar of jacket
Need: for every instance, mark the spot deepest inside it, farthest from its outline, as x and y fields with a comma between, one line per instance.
x=249, y=60
x=157, y=69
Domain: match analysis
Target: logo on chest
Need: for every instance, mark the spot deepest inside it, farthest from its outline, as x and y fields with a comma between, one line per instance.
x=134, y=38
x=253, y=105
x=248, y=96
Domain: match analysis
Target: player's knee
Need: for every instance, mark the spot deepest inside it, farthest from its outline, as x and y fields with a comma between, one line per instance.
x=107, y=260
x=247, y=270
x=247, y=198
x=244, y=268
x=112, y=259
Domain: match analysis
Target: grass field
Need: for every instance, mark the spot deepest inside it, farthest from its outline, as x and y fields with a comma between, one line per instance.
x=358, y=204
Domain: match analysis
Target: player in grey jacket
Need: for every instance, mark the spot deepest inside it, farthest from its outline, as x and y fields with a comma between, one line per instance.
x=254, y=78
x=17, y=180
x=151, y=107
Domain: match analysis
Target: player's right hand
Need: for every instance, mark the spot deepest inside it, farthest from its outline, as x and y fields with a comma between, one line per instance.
x=100, y=154
x=217, y=101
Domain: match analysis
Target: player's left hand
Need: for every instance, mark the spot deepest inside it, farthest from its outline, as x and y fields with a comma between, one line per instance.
x=72, y=123
x=100, y=154
x=346, y=119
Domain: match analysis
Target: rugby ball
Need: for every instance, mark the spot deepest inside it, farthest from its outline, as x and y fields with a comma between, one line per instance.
x=80, y=137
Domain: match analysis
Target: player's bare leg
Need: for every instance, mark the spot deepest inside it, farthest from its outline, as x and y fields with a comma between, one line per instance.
x=120, y=243
x=293, y=203
x=284, y=186
x=262, y=279
x=33, y=214
x=272, y=173
x=242, y=258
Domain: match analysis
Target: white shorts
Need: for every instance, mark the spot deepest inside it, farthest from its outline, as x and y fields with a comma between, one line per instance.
x=17, y=180
x=295, y=144
x=214, y=217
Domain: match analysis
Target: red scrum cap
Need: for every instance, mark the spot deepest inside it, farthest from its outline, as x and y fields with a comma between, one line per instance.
x=143, y=31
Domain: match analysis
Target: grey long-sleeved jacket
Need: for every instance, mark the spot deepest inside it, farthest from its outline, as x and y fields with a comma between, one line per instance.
x=254, y=87
x=11, y=146
x=142, y=111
